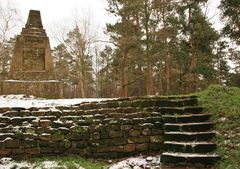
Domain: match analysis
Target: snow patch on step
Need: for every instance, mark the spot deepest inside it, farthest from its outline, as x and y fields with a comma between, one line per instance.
x=191, y=155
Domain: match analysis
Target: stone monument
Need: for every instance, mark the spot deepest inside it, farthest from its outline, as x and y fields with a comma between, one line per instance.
x=32, y=70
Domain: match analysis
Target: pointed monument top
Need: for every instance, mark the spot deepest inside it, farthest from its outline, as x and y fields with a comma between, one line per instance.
x=34, y=19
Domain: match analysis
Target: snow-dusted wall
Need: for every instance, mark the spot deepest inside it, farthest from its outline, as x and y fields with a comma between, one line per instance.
x=111, y=128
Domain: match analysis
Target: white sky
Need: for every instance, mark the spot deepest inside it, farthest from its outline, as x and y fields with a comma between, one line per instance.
x=55, y=12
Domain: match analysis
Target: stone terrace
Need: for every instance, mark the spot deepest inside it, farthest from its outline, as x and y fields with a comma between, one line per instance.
x=113, y=128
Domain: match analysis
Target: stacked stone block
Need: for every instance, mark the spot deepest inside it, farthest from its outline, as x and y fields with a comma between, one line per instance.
x=112, y=128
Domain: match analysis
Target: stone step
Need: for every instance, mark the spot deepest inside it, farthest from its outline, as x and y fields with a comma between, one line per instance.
x=187, y=158
x=177, y=102
x=181, y=110
x=186, y=118
x=189, y=147
x=189, y=127
x=189, y=136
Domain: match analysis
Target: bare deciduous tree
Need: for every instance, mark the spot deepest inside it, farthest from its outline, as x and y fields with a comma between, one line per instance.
x=9, y=19
x=79, y=43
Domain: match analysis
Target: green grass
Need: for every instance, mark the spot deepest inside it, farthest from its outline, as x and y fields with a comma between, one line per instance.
x=224, y=102
x=221, y=100
x=70, y=162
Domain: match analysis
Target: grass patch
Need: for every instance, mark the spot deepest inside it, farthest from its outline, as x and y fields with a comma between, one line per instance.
x=70, y=162
x=221, y=100
x=224, y=102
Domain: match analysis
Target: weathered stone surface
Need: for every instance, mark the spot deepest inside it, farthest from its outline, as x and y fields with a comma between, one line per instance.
x=156, y=139
x=114, y=134
x=56, y=113
x=126, y=104
x=4, y=109
x=129, y=148
x=99, y=116
x=117, y=115
x=116, y=127
x=1, y=144
x=46, y=150
x=20, y=120
x=142, y=147
x=57, y=137
x=116, y=148
x=134, y=133
x=38, y=113
x=157, y=131
x=66, y=143
x=45, y=137
x=80, y=144
x=119, y=141
x=4, y=152
x=146, y=132
x=79, y=129
x=49, y=117
x=25, y=113
x=99, y=128
x=138, y=120
x=5, y=119
x=43, y=143
x=30, y=136
x=10, y=143
x=95, y=136
x=144, y=139
x=32, y=151
x=11, y=113
x=126, y=127
x=32, y=66
x=63, y=130
x=3, y=125
x=45, y=123
x=102, y=149
x=17, y=152
x=104, y=135
x=30, y=143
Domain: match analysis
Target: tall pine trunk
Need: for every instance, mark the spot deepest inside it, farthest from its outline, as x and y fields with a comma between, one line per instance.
x=123, y=84
x=160, y=89
x=167, y=62
x=168, y=78
x=149, y=83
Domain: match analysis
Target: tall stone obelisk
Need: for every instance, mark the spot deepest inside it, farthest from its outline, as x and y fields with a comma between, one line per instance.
x=32, y=70
x=32, y=59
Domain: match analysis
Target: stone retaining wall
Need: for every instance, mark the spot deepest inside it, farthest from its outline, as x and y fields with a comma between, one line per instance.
x=105, y=129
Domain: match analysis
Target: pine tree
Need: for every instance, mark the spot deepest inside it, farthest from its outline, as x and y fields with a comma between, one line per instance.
x=125, y=34
x=198, y=38
x=230, y=15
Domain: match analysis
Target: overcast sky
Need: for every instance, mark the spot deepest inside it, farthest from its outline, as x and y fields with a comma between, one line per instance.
x=59, y=11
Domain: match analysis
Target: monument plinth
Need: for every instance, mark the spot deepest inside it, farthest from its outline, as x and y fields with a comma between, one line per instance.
x=32, y=70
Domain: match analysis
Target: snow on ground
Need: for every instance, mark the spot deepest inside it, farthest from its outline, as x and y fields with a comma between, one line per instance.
x=8, y=163
x=28, y=101
x=138, y=163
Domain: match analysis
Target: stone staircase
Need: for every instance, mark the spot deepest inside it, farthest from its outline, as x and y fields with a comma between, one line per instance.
x=189, y=137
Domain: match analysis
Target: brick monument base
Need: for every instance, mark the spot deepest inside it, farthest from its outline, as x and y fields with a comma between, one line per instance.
x=51, y=89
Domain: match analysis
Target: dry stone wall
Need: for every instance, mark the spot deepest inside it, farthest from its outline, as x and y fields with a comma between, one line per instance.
x=111, y=128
